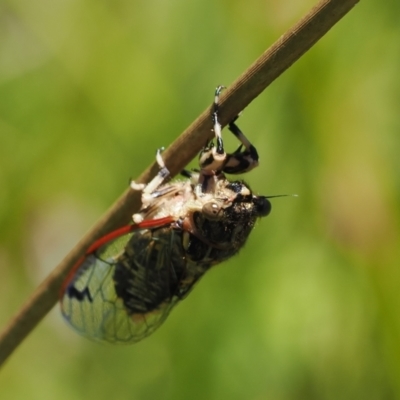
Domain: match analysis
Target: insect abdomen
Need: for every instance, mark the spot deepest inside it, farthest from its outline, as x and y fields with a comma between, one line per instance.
x=147, y=274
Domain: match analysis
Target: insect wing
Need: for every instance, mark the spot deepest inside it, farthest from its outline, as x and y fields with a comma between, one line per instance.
x=90, y=303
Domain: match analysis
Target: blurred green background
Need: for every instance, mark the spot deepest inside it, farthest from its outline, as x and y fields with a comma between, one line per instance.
x=310, y=309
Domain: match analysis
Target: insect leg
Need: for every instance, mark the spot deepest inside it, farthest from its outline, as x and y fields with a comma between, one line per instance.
x=186, y=173
x=149, y=191
x=159, y=178
x=156, y=181
x=214, y=118
x=240, y=161
x=213, y=157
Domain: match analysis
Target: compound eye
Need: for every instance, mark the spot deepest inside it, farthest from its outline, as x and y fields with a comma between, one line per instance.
x=263, y=205
x=212, y=211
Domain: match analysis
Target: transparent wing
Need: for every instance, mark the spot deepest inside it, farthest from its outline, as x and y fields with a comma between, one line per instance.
x=91, y=305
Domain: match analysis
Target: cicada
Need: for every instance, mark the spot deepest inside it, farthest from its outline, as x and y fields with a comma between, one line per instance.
x=129, y=280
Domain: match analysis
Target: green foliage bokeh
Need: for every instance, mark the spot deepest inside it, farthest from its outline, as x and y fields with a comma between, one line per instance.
x=309, y=308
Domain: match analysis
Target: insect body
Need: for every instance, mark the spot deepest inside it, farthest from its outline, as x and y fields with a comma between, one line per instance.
x=130, y=280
